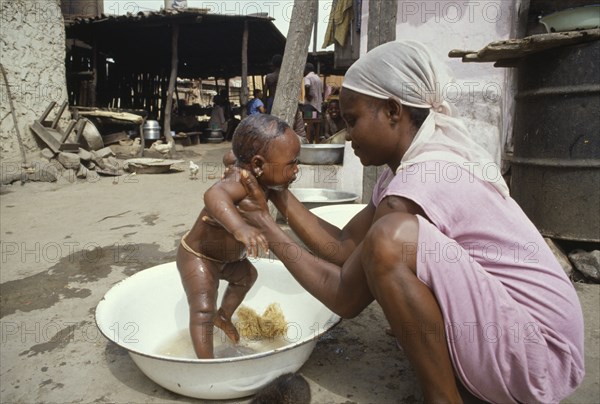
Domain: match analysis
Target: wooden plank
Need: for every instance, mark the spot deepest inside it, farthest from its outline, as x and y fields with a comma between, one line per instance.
x=61, y=110
x=64, y=137
x=512, y=49
x=47, y=136
x=47, y=111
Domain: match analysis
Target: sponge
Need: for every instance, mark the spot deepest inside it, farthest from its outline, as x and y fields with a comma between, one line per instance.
x=253, y=326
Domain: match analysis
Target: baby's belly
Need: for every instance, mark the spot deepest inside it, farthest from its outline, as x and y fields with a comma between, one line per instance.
x=219, y=244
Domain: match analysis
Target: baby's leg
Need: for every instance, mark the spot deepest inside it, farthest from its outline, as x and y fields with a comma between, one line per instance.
x=201, y=287
x=241, y=276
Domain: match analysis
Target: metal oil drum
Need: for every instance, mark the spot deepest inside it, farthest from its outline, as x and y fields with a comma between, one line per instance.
x=556, y=159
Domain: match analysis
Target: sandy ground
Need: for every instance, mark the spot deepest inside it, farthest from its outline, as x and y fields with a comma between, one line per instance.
x=65, y=244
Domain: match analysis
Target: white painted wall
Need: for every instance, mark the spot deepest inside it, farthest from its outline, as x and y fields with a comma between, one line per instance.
x=444, y=25
x=484, y=100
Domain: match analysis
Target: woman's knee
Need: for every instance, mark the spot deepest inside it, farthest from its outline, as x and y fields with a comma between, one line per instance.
x=391, y=243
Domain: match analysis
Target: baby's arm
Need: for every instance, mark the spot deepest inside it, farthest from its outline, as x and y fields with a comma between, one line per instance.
x=220, y=201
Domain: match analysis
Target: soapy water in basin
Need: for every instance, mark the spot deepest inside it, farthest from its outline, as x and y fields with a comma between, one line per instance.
x=179, y=345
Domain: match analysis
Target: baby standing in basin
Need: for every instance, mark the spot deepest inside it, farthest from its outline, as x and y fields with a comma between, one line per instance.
x=266, y=147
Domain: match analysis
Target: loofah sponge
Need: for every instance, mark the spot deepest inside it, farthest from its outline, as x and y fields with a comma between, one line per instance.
x=253, y=326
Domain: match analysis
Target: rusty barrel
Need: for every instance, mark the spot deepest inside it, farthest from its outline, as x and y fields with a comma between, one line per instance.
x=556, y=159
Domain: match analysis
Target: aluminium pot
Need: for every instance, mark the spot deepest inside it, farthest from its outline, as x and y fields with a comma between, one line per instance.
x=151, y=130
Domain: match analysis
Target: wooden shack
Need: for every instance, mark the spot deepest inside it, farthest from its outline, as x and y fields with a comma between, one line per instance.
x=132, y=61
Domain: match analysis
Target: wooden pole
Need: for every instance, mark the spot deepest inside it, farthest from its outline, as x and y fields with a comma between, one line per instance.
x=285, y=104
x=172, y=83
x=382, y=29
x=244, y=89
x=94, y=84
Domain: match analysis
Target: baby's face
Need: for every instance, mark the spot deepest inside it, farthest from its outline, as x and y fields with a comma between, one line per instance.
x=281, y=166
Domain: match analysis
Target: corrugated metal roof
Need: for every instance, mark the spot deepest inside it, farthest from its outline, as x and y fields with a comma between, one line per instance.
x=210, y=45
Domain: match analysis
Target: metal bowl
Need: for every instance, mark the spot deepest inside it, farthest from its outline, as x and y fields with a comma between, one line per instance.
x=147, y=310
x=315, y=197
x=570, y=19
x=338, y=215
x=321, y=153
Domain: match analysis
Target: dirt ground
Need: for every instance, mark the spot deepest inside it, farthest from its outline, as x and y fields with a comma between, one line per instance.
x=64, y=245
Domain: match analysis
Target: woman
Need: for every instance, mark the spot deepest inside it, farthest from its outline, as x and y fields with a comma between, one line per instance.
x=468, y=285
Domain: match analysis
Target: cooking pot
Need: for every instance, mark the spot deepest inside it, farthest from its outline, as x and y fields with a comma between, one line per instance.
x=213, y=135
x=151, y=130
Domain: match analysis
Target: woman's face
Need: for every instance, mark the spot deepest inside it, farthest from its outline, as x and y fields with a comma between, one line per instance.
x=371, y=129
x=280, y=166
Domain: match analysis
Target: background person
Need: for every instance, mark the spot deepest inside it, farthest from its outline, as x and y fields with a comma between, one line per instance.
x=313, y=90
x=255, y=105
x=333, y=118
x=217, y=115
x=271, y=80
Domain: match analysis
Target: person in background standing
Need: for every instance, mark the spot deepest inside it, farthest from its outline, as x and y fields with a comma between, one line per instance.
x=313, y=86
x=255, y=105
x=226, y=104
x=217, y=115
x=271, y=81
x=299, y=125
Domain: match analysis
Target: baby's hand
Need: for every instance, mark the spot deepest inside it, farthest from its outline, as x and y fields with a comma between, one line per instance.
x=253, y=240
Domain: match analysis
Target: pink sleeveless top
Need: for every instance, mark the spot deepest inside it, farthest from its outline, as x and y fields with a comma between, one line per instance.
x=513, y=319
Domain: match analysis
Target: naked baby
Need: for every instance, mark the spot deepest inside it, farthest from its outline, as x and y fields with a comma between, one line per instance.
x=266, y=147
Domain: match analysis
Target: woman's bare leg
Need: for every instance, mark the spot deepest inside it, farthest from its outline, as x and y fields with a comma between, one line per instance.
x=389, y=260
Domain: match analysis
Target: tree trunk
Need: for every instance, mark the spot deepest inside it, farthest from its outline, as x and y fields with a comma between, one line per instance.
x=382, y=29
x=285, y=104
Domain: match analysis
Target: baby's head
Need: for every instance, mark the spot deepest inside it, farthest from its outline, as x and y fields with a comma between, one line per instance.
x=269, y=148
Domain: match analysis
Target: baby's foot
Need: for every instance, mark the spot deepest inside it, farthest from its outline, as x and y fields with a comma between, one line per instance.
x=225, y=324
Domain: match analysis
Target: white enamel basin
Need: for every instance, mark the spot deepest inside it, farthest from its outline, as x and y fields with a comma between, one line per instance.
x=146, y=310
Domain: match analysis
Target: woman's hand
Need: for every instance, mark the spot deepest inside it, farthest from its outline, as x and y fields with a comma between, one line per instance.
x=253, y=240
x=253, y=208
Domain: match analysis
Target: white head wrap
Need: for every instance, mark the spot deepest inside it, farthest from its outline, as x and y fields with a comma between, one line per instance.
x=407, y=72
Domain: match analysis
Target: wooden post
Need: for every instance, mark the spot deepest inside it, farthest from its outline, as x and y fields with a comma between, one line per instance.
x=94, y=84
x=244, y=89
x=172, y=84
x=285, y=104
x=382, y=29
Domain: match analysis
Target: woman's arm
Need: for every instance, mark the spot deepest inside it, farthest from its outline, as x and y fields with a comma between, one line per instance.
x=322, y=238
x=342, y=288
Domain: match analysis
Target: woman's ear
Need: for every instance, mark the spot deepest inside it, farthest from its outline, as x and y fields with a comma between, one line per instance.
x=394, y=110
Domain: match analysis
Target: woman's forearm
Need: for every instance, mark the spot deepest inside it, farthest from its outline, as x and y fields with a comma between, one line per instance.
x=343, y=289
x=322, y=238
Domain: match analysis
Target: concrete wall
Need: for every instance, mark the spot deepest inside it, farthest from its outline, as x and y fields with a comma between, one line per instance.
x=485, y=93
x=32, y=49
x=444, y=25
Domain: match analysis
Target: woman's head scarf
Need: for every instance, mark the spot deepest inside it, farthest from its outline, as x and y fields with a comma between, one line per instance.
x=407, y=72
